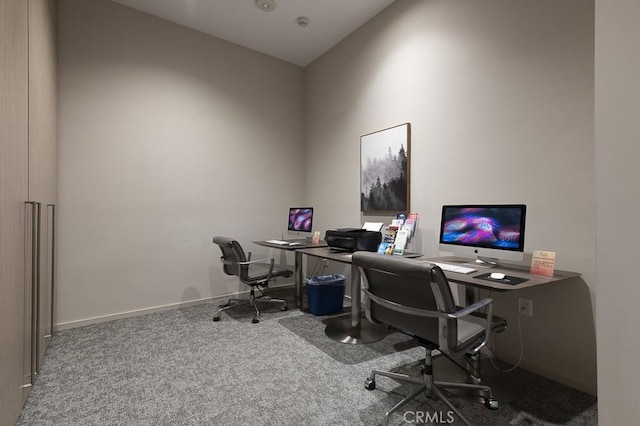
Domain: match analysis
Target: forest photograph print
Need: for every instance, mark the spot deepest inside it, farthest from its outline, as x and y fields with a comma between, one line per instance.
x=384, y=170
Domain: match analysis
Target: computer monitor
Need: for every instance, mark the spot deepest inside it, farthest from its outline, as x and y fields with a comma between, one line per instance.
x=300, y=221
x=488, y=232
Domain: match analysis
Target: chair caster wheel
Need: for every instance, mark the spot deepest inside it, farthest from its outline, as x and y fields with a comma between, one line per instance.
x=369, y=384
x=491, y=404
x=255, y=321
x=216, y=319
x=285, y=308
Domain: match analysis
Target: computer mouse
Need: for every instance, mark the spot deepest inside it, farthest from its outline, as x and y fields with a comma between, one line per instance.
x=294, y=244
x=497, y=275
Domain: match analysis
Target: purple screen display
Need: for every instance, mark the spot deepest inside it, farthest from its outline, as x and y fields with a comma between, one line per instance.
x=300, y=219
x=491, y=226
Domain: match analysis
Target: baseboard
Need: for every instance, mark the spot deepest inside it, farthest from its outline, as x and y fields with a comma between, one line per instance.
x=163, y=308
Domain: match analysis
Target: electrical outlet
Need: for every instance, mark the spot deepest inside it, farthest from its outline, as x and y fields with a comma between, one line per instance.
x=525, y=306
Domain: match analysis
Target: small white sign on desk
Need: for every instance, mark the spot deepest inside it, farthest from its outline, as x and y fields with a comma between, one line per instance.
x=372, y=226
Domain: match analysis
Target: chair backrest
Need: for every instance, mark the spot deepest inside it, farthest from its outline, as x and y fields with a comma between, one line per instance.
x=413, y=284
x=232, y=253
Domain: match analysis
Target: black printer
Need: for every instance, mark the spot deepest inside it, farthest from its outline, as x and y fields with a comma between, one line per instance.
x=353, y=239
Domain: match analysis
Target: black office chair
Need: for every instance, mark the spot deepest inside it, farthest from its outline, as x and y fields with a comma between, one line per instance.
x=254, y=273
x=414, y=297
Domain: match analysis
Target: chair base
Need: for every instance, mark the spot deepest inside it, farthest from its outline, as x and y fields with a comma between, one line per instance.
x=252, y=300
x=430, y=387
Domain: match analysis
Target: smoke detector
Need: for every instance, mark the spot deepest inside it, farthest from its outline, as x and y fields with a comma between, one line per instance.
x=266, y=5
x=302, y=21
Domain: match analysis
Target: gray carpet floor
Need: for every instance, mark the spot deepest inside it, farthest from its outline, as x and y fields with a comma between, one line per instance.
x=180, y=368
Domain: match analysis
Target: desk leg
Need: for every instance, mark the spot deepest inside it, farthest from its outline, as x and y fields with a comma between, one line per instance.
x=354, y=330
x=298, y=278
x=356, y=298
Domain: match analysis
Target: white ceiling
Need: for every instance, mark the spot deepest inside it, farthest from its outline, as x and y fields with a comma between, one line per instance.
x=275, y=33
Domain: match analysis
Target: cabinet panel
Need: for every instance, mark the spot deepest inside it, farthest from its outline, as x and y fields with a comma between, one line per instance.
x=43, y=150
x=42, y=102
x=27, y=172
x=13, y=193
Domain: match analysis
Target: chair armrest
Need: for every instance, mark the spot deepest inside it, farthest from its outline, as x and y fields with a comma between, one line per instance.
x=404, y=309
x=471, y=308
x=249, y=262
x=229, y=262
x=436, y=314
x=269, y=261
x=489, y=321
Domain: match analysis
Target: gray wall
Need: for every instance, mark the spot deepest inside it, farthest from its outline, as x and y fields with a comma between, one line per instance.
x=617, y=133
x=167, y=137
x=499, y=95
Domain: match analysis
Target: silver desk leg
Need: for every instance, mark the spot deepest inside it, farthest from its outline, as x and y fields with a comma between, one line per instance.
x=298, y=278
x=353, y=329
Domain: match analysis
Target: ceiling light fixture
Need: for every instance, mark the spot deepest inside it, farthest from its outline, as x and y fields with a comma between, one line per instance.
x=266, y=5
x=302, y=21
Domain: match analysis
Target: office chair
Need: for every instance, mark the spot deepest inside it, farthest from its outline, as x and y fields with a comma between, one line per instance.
x=414, y=297
x=254, y=273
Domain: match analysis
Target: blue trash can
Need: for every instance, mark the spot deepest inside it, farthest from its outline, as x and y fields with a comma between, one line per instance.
x=325, y=294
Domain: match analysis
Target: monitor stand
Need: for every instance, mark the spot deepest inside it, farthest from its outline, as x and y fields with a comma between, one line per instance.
x=297, y=236
x=484, y=262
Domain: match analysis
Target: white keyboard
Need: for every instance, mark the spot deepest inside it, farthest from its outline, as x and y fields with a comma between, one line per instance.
x=277, y=242
x=455, y=268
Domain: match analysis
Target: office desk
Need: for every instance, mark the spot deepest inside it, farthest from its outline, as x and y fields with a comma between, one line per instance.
x=298, y=273
x=518, y=271
x=353, y=329
x=504, y=388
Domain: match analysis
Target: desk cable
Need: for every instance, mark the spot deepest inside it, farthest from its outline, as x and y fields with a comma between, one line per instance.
x=494, y=356
x=517, y=364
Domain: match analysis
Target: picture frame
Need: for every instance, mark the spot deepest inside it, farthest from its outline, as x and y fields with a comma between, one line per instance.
x=385, y=170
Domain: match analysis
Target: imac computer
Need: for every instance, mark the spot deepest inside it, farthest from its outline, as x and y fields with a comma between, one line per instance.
x=487, y=232
x=300, y=222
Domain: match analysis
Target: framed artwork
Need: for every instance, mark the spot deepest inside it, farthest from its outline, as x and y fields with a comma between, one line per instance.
x=385, y=170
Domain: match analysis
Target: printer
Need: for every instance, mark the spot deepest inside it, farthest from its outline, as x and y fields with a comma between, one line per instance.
x=353, y=239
